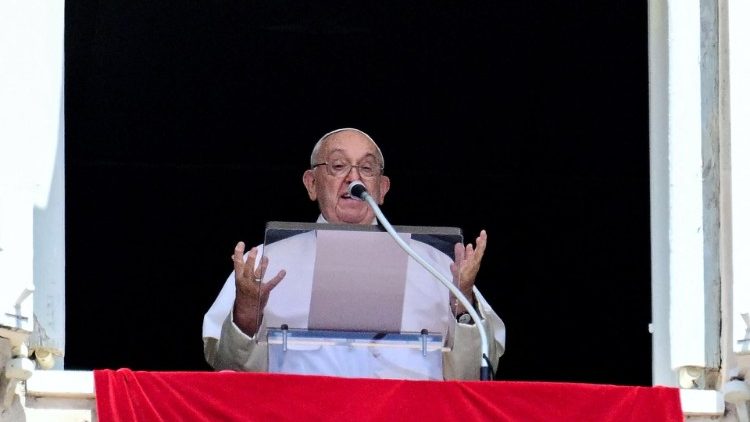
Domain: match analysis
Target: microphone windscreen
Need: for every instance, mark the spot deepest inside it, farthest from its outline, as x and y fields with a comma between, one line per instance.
x=357, y=189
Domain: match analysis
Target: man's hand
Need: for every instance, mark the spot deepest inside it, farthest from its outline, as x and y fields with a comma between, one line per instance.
x=466, y=266
x=251, y=295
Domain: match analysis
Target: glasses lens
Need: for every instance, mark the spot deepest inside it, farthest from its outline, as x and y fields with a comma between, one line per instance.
x=368, y=169
x=338, y=168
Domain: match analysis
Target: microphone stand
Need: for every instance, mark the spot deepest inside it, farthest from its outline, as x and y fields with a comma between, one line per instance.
x=484, y=370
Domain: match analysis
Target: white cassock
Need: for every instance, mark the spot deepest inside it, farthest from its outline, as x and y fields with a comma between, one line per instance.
x=426, y=305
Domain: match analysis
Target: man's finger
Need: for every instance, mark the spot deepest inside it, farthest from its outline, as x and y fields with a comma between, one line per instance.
x=267, y=287
x=239, y=251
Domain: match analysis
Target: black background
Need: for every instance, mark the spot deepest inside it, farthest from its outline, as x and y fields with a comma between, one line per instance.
x=189, y=124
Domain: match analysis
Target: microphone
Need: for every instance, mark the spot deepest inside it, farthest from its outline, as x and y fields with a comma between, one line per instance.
x=358, y=190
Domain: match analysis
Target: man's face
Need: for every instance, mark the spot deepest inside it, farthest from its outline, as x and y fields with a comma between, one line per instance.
x=335, y=204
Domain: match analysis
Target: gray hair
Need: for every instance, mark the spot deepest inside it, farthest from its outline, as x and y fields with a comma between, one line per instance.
x=319, y=144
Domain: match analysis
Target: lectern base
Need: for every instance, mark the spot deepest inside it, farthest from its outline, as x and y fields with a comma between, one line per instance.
x=356, y=354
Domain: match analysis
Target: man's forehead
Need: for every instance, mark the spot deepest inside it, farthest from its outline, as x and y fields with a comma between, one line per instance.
x=351, y=143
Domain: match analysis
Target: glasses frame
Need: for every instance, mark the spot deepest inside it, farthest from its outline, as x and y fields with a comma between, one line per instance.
x=330, y=172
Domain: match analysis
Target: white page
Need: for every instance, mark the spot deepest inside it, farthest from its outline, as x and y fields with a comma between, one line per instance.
x=358, y=281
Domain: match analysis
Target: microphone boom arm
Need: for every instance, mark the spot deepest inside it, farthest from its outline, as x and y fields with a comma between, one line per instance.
x=484, y=371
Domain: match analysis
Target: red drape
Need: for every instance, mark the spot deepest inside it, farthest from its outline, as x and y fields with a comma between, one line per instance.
x=138, y=396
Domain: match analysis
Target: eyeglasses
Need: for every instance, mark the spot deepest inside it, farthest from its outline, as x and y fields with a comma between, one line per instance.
x=338, y=168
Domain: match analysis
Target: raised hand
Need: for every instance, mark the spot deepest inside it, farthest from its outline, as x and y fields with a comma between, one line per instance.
x=251, y=295
x=466, y=265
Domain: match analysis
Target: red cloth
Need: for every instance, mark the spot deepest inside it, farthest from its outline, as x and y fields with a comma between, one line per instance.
x=138, y=396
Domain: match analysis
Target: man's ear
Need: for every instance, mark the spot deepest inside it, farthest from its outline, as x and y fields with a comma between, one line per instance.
x=308, y=178
x=385, y=185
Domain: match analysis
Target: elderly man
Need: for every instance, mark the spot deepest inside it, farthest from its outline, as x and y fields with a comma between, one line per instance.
x=246, y=307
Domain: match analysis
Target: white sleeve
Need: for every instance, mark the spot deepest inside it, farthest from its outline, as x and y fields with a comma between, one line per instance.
x=236, y=350
x=463, y=361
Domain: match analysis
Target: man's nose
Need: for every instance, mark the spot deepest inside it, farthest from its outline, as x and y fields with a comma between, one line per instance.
x=350, y=174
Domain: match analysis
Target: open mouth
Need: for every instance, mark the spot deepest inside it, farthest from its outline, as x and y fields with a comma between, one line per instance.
x=349, y=198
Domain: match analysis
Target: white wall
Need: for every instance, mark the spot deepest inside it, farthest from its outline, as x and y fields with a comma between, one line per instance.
x=32, y=187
